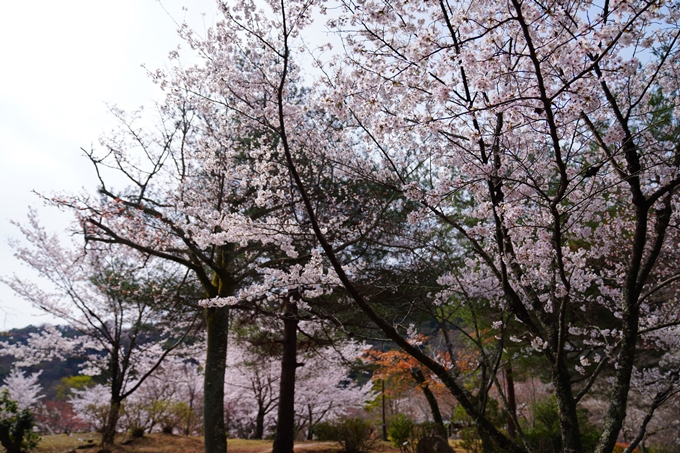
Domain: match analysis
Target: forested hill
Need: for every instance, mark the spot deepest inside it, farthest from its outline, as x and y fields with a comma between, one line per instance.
x=52, y=371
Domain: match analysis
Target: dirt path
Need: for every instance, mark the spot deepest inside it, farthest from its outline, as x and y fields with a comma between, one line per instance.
x=305, y=446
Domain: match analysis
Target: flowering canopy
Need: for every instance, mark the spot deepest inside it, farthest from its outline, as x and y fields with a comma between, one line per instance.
x=538, y=141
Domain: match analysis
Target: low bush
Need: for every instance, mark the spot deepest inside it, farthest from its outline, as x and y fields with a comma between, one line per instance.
x=545, y=435
x=137, y=432
x=326, y=431
x=16, y=426
x=402, y=434
x=355, y=435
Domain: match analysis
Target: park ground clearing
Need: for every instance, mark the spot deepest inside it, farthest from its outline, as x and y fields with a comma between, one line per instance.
x=167, y=443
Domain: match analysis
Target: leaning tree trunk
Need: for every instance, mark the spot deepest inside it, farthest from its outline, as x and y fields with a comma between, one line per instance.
x=432, y=401
x=285, y=425
x=214, y=431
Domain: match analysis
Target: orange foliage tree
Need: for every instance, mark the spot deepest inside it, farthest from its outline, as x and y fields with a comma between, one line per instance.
x=405, y=373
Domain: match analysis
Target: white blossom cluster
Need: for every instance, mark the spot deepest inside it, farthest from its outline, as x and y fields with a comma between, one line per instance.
x=23, y=389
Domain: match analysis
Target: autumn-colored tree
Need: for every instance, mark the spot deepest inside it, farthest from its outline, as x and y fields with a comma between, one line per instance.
x=401, y=372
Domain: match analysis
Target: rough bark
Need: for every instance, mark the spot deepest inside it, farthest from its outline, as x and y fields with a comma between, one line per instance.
x=285, y=425
x=215, y=434
x=109, y=430
x=384, y=412
x=566, y=408
x=487, y=444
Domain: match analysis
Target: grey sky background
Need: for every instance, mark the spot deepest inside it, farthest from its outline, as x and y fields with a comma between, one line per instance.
x=60, y=64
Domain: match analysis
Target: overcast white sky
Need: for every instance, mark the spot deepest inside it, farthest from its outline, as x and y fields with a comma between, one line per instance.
x=61, y=62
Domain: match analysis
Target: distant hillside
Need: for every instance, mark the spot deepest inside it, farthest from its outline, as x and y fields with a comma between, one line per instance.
x=52, y=371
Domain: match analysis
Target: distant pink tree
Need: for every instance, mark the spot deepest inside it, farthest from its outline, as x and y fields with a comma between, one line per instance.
x=116, y=299
x=24, y=389
x=325, y=390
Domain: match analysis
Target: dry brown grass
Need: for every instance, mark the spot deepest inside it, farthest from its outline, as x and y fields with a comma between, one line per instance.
x=61, y=443
x=166, y=443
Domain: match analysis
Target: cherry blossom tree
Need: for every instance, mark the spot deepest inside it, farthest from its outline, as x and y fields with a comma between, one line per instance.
x=244, y=99
x=23, y=389
x=130, y=314
x=324, y=389
x=204, y=199
x=545, y=119
x=92, y=405
x=217, y=200
x=542, y=120
x=168, y=398
x=535, y=136
x=251, y=391
x=538, y=141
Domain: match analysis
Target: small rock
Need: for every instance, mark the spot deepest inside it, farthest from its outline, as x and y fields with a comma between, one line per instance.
x=434, y=444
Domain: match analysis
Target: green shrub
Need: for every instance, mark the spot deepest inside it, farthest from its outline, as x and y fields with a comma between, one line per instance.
x=16, y=428
x=466, y=428
x=545, y=435
x=326, y=431
x=467, y=431
x=355, y=435
x=470, y=440
x=402, y=434
x=137, y=432
x=426, y=429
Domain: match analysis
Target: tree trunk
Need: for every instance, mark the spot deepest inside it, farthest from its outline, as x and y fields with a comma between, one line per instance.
x=214, y=431
x=432, y=401
x=190, y=418
x=310, y=432
x=566, y=409
x=285, y=426
x=512, y=402
x=487, y=444
x=259, y=421
x=109, y=429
